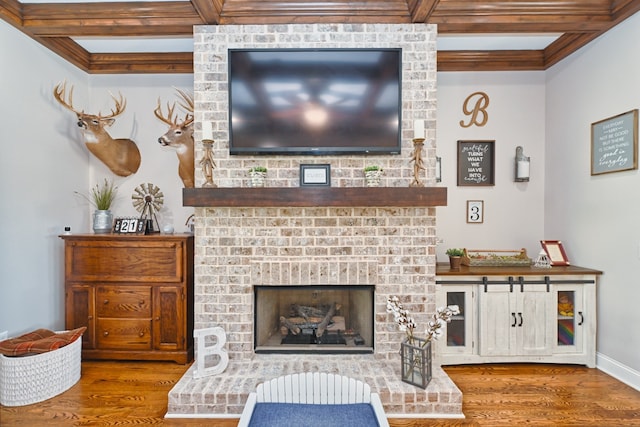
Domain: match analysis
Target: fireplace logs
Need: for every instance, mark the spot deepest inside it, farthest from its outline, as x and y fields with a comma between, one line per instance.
x=314, y=321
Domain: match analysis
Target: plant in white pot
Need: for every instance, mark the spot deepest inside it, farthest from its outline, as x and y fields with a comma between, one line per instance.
x=258, y=175
x=372, y=175
x=102, y=197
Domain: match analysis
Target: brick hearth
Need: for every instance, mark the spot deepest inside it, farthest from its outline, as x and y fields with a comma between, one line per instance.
x=224, y=395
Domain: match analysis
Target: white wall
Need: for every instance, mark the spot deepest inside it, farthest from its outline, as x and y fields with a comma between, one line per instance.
x=45, y=162
x=597, y=217
x=513, y=210
x=39, y=168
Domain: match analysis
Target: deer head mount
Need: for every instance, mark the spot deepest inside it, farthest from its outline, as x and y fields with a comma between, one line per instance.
x=121, y=155
x=180, y=136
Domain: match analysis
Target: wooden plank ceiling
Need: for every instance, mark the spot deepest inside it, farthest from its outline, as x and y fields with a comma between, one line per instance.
x=55, y=24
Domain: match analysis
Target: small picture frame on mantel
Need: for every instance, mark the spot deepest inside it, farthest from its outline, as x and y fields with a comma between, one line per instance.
x=315, y=175
x=555, y=252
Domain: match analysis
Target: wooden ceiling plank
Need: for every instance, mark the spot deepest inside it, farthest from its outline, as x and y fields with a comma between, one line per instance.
x=423, y=10
x=11, y=11
x=136, y=63
x=208, y=10
x=502, y=60
x=67, y=49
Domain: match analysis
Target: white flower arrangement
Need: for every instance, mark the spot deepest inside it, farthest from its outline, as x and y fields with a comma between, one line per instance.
x=407, y=324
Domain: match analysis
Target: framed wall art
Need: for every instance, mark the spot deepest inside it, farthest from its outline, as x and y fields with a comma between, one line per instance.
x=315, y=175
x=614, y=143
x=475, y=211
x=476, y=161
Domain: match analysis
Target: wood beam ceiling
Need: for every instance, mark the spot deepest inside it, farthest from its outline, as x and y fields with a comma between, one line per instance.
x=54, y=25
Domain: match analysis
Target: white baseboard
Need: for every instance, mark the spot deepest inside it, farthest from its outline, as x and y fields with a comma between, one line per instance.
x=4, y=335
x=617, y=370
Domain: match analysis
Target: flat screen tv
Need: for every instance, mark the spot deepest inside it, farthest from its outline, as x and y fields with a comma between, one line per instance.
x=315, y=101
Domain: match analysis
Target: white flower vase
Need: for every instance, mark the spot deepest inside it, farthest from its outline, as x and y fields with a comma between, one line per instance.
x=372, y=178
x=257, y=178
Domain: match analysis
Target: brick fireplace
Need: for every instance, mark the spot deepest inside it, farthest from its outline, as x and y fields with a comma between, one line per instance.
x=295, y=237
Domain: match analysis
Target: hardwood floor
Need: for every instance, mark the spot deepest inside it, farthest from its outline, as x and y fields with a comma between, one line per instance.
x=135, y=394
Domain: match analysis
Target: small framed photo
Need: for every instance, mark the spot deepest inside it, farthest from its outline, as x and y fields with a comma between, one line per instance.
x=555, y=252
x=315, y=175
x=475, y=211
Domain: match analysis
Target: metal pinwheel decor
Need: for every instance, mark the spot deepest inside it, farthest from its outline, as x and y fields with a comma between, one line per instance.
x=148, y=199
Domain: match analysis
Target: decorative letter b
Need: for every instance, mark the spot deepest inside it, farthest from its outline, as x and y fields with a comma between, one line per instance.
x=480, y=107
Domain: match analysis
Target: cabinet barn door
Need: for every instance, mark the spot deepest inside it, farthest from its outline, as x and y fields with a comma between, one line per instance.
x=497, y=322
x=535, y=321
x=168, y=318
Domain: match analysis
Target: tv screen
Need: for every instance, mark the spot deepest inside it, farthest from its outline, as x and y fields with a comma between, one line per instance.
x=315, y=101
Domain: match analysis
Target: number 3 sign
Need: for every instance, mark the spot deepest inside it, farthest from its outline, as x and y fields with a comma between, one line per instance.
x=475, y=211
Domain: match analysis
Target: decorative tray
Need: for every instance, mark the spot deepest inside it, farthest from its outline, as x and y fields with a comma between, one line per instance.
x=495, y=257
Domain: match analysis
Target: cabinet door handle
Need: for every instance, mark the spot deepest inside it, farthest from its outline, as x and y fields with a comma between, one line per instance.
x=514, y=320
x=581, y=319
x=521, y=320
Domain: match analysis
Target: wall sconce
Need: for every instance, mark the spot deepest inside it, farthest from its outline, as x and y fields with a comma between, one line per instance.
x=522, y=165
x=438, y=169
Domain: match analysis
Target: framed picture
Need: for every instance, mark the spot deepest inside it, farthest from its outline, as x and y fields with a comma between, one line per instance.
x=315, y=175
x=475, y=211
x=614, y=143
x=555, y=252
x=476, y=160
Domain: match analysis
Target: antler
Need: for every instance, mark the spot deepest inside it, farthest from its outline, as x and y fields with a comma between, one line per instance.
x=169, y=119
x=58, y=94
x=188, y=98
x=121, y=104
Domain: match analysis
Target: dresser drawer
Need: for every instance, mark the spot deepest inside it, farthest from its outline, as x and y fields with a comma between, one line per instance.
x=125, y=260
x=123, y=301
x=124, y=334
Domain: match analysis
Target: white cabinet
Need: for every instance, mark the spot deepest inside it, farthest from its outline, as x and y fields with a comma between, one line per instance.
x=522, y=315
x=515, y=320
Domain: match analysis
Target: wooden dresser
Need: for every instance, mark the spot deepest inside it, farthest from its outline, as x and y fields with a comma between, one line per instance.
x=134, y=293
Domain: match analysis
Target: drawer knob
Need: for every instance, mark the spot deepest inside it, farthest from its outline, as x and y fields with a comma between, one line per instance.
x=141, y=302
x=105, y=333
x=106, y=301
x=141, y=334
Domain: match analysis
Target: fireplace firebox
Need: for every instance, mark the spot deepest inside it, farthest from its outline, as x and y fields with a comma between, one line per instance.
x=314, y=319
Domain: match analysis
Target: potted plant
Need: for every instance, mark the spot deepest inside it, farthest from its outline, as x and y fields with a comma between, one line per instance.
x=102, y=197
x=455, y=257
x=372, y=175
x=258, y=175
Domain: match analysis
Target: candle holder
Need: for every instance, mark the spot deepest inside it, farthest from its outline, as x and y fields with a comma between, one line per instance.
x=522, y=165
x=207, y=163
x=418, y=163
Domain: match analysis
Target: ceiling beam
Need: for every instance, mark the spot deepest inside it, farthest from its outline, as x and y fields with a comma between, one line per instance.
x=496, y=60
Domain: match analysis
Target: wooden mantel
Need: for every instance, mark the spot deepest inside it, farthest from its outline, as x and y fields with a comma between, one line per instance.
x=316, y=197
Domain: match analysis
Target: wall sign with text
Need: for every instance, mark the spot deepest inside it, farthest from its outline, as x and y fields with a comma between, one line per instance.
x=614, y=143
x=476, y=160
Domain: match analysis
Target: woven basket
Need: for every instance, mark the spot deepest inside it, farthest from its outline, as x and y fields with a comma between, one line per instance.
x=30, y=379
